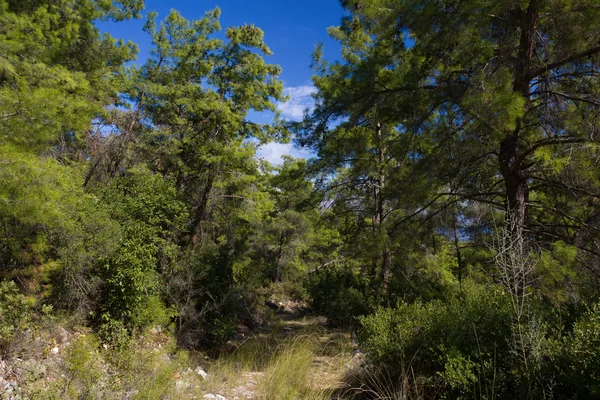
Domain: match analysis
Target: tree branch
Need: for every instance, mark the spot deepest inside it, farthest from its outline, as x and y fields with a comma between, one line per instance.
x=572, y=98
x=548, y=142
x=564, y=61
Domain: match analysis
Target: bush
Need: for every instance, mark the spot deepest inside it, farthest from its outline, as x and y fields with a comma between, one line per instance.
x=339, y=295
x=83, y=364
x=147, y=208
x=576, y=367
x=210, y=305
x=15, y=311
x=114, y=332
x=459, y=345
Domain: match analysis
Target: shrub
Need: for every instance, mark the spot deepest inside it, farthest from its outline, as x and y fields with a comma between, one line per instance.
x=147, y=208
x=210, y=305
x=114, y=332
x=83, y=364
x=575, y=368
x=15, y=311
x=339, y=295
x=460, y=344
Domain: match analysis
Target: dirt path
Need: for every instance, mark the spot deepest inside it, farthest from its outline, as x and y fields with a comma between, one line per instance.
x=266, y=360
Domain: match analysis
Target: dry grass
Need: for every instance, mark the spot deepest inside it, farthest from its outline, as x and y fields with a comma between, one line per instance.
x=299, y=359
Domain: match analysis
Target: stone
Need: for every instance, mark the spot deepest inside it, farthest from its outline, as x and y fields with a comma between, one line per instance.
x=156, y=329
x=63, y=335
x=202, y=373
x=182, y=385
x=211, y=396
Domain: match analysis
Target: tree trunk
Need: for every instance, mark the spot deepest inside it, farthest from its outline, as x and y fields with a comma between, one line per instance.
x=200, y=214
x=515, y=180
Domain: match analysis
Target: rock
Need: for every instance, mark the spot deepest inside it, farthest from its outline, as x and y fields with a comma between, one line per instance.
x=54, y=350
x=62, y=335
x=156, y=329
x=182, y=385
x=202, y=373
x=243, y=392
x=211, y=396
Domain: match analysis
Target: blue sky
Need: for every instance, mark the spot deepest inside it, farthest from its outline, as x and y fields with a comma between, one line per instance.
x=292, y=29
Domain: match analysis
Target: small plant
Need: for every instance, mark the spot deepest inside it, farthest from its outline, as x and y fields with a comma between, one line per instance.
x=114, y=332
x=15, y=312
x=379, y=384
x=83, y=364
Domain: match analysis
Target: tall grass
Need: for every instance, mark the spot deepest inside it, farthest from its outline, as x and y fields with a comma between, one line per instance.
x=290, y=372
x=306, y=362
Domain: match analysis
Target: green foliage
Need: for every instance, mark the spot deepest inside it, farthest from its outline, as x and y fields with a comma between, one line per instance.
x=154, y=313
x=432, y=276
x=83, y=364
x=38, y=200
x=147, y=206
x=459, y=344
x=340, y=295
x=133, y=196
x=15, y=311
x=576, y=359
x=92, y=238
x=57, y=71
x=114, y=332
x=556, y=268
x=435, y=121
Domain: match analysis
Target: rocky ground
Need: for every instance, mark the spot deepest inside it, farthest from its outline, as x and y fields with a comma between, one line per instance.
x=42, y=369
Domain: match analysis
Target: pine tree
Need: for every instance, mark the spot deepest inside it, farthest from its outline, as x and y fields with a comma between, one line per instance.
x=500, y=99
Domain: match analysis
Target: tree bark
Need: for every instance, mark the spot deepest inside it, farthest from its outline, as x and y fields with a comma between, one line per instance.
x=200, y=214
x=515, y=180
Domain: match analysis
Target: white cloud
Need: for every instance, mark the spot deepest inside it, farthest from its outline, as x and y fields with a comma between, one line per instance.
x=300, y=100
x=272, y=152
